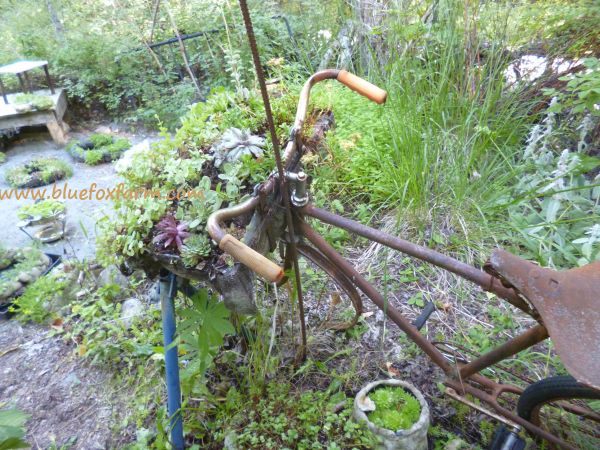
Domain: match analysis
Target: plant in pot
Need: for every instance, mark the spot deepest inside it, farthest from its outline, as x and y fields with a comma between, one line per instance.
x=396, y=412
x=48, y=215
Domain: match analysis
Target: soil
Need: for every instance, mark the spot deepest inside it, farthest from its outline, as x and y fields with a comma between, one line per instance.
x=70, y=402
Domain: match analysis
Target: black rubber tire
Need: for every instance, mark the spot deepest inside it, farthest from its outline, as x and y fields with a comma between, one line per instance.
x=552, y=389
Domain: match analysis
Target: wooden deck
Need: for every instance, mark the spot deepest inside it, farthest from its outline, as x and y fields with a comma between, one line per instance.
x=52, y=118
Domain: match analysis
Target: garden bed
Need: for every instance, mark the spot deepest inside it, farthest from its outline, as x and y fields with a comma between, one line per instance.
x=98, y=149
x=38, y=172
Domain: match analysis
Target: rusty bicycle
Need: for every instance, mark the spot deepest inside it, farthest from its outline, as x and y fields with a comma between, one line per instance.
x=564, y=304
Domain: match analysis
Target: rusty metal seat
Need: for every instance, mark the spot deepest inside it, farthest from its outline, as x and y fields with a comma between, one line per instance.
x=569, y=305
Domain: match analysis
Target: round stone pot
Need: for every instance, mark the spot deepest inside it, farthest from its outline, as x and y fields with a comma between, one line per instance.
x=414, y=438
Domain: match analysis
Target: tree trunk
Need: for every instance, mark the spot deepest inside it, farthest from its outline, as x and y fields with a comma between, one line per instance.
x=56, y=23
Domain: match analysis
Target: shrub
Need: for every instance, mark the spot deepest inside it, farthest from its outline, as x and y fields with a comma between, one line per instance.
x=553, y=208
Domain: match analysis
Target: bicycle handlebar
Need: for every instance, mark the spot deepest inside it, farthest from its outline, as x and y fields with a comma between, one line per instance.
x=240, y=251
x=363, y=87
x=256, y=262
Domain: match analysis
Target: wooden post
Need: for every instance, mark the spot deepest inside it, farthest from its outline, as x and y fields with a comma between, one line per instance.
x=48, y=80
x=57, y=132
x=3, y=92
x=20, y=77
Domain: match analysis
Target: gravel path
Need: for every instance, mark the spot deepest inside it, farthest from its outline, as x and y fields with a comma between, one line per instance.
x=81, y=214
x=70, y=402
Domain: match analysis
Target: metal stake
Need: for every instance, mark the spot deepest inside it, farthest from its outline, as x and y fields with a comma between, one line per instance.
x=168, y=290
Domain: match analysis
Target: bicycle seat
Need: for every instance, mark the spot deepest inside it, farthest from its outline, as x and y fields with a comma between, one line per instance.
x=569, y=305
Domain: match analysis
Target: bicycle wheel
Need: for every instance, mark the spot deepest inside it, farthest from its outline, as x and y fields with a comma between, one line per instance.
x=565, y=407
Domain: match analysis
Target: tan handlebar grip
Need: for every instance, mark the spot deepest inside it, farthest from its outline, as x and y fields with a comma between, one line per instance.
x=251, y=259
x=363, y=87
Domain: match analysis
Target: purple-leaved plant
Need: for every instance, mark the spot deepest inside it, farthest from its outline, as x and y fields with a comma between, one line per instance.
x=172, y=233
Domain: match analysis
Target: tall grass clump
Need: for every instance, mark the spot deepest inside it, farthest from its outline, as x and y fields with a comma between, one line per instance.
x=450, y=129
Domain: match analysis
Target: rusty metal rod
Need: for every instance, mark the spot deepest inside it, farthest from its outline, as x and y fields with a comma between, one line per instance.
x=436, y=356
x=260, y=76
x=525, y=340
x=477, y=276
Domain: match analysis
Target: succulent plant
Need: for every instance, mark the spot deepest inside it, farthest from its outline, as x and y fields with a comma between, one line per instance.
x=172, y=233
x=195, y=249
x=236, y=143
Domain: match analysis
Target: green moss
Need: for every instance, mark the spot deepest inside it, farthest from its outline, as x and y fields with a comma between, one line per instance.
x=395, y=408
x=2, y=157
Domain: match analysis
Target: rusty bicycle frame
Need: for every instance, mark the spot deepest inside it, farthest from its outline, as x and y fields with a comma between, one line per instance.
x=460, y=379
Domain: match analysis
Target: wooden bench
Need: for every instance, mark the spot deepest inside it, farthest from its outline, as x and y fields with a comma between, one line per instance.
x=11, y=117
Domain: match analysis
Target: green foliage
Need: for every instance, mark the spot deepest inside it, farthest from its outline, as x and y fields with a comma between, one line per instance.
x=101, y=56
x=93, y=157
x=35, y=302
x=43, y=209
x=582, y=91
x=38, y=172
x=395, y=408
x=281, y=417
x=2, y=157
x=100, y=139
x=566, y=27
x=94, y=322
x=205, y=323
x=449, y=127
x=553, y=208
x=37, y=102
x=12, y=429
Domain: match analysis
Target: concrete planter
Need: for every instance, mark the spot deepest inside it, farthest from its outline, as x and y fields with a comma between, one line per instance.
x=414, y=438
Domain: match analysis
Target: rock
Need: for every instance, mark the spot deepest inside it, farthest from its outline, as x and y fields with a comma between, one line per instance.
x=25, y=277
x=131, y=309
x=71, y=380
x=152, y=294
x=112, y=275
x=126, y=161
x=9, y=289
x=35, y=272
x=103, y=129
x=366, y=404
